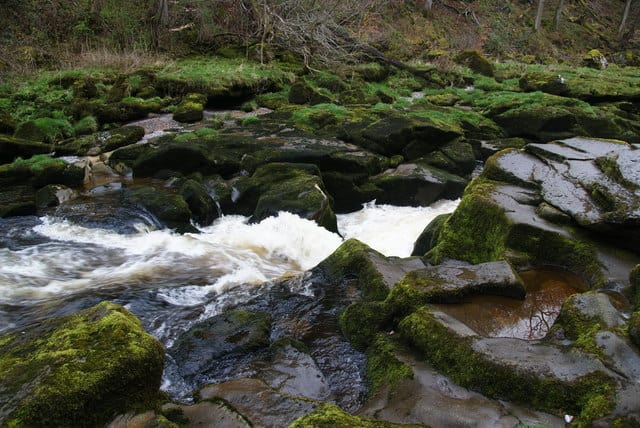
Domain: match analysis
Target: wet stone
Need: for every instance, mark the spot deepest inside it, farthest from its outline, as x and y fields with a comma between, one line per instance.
x=452, y=283
x=262, y=405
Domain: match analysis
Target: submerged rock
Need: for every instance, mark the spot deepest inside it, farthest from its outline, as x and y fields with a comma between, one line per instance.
x=230, y=333
x=79, y=370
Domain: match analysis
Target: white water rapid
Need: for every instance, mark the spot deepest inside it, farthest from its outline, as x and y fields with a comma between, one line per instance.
x=58, y=259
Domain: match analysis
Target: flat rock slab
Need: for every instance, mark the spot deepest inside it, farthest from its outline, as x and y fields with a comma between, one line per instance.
x=262, y=405
x=537, y=359
x=451, y=283
x=594, y=182
x=433, y=397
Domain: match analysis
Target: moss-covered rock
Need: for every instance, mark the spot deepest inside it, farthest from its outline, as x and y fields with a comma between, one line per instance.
x=476, y=62
x=487, y=210
x=44, y=129
x=291, y=187
x=383, y=368
x=53, y=195
x=12, y=148
x=190, y=109
x=41, y=170
x=79, y=370
x=355, y=259
x=545, y=82
x=303, y=93
x=429, y=236
x=169, y=208
x=489, y=365
x=202, y=206
x=329, y=416
x=595, y=59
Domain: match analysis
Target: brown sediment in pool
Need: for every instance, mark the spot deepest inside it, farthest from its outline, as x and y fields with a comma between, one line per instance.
x=495, y=316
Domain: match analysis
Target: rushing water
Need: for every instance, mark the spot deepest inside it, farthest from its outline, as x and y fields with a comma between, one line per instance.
x=50, y=264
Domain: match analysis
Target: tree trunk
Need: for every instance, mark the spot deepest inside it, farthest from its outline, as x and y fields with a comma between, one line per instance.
x=538, y=21
x=559, y=13
x=427, y=5
x=625, y=15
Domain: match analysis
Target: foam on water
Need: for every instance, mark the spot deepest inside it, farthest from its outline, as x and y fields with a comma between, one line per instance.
x=187, y=269
x=389, y=229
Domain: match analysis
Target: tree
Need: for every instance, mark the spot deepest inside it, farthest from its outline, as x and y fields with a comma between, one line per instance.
x=559, y=13
x=625, y=15
x=538, y=21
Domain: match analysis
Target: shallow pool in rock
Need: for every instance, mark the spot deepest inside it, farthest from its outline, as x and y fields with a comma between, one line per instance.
x=529, y=319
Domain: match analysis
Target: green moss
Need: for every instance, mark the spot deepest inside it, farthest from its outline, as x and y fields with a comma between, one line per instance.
x=383, y=368
x=476, y=62
x=609, y=166
x=477, y=215
x=330, y=416
x=220, y=75
x=86, y=125
x=361, y=321
x=455, y=356
x=248, y=120
x=320, y=115
x=37, y=163
x=353, y=258
x=46, y=129
x=81, y=370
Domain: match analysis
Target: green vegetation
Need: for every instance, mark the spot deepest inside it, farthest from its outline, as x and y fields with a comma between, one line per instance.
x=81, y=369
x=329, y=416
x=383, y=368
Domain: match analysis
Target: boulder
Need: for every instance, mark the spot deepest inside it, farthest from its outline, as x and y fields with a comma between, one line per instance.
x=202, y=206
x=410, y=135
x=476, y=62
x=12, y=148
x=234, y=332
x=524, y=200
x=101, y=142
x=551, y=377
x=190, y=109
x=417, y=184
x=303, y=93
x=44, y=129
x=595, y=59
x=429, y=236
x=41, y=170
x=296, y=188
x=169, y=208
x=79, y=370
x=260, y=404
x=425, y=394
x=542, y=81
x=53, y=195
